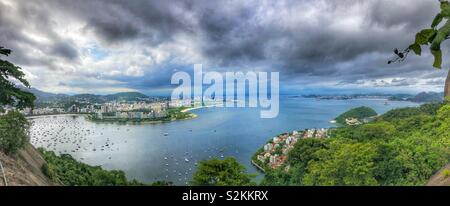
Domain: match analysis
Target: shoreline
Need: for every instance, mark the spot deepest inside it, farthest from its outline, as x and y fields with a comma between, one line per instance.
x=114, y=121
x=198, y=107
x=53, y=115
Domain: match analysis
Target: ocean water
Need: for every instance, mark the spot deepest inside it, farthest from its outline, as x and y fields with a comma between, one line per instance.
x=171, y=151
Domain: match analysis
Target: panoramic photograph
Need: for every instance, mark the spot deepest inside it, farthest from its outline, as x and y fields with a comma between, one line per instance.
x=224, y=93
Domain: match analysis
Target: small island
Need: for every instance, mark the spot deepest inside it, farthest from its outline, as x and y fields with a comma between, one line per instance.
x=356, y=116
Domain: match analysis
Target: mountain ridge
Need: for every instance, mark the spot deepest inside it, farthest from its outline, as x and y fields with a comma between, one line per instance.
x=42, y=96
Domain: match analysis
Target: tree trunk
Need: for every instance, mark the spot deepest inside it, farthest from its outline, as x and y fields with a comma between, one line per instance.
x=447, y=86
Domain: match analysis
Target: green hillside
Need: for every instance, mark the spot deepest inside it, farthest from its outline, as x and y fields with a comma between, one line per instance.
x=401, y=147
x=126, y=96
x=359, y=113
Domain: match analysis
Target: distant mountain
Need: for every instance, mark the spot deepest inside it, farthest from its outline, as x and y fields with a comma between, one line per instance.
x=119, y=97
x=122, y=96
x=126, y=96
x=423, y=97
x=428, y=97
x=85, y=98
x=43, y=96
x=92, y=98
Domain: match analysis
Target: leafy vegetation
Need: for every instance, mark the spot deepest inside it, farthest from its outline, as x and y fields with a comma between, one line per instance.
x=401, y=147
x=177, y=114
x=217, y=172
x=404, y=113
x=66, y=170
x=10, y=94
x=13, y=132
x=359, y=113
x=13, y=126
x=343, y=163
x=446, y=173
x=431, y=37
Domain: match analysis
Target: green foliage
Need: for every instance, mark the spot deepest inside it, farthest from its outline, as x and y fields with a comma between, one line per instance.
x=359, y=113
x=10, y=94
x=437, y=20
x=344, y=163
x=433, y=37
x=13, y=132
x=403, y=113
x=176, y=113
x=68, y=171
x=126, y=96
x=367, y=132
x=304, y=152
x=402, y=147
x=431, y=108
x=216, y=172
x=416, y=48
x=388, y=169
x=423, y=37
x=376, y=130
x=279, y=177
x=445, y=173
x=437, y=58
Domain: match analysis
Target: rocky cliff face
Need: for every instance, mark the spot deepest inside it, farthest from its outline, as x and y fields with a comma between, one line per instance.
x=440, y=178
x=23, y=169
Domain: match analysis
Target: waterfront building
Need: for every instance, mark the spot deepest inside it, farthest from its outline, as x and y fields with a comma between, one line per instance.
x=352, y=121
x=261, y=158
x=268, y=147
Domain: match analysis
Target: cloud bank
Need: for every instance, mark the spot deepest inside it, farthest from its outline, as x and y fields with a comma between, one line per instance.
x=103, y=46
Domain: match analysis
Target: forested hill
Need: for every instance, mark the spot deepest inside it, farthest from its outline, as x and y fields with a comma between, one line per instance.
x=359, y=113
x=123, y=96
x=42, y=96
x=44, y=99
x=402, y=147
x=428, y=97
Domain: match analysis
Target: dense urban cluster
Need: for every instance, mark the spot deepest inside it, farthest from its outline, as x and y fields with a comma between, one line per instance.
x=109, y=110
x=275, y=152
x=132, y=111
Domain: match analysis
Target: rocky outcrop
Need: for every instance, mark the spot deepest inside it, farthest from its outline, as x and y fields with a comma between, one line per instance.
x=24, y=168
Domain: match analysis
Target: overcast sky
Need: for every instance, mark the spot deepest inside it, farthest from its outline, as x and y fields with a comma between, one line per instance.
x=106, y=46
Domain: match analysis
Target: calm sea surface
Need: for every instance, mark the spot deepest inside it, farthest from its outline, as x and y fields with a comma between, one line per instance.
x=145, y=153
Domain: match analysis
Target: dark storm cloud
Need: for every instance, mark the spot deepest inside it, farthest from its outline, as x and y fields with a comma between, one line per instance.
x=113, y=32
x=348, y=40
x=13, y=36
x=315, y=48
x=65, y=50
x=118, y=20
